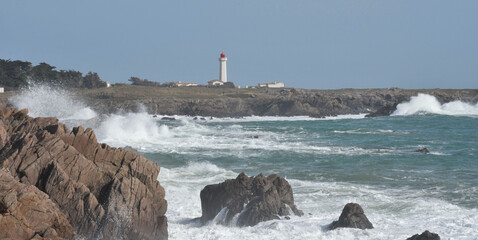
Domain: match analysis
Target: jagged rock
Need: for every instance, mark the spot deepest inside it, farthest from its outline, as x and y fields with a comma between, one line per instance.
x=257, y=199
x=383, y=111
x=168, y=118
x=423, y=150
x=425, y=236
x=108, y=193
x=26, y=212
x=352, y=216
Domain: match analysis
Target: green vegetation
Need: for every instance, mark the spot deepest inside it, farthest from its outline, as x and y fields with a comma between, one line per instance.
x=143, y=82
x=16, y=74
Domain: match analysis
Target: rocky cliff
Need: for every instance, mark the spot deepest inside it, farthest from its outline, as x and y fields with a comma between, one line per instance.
x=233, y=102
x=103, y=192
x=201, y=101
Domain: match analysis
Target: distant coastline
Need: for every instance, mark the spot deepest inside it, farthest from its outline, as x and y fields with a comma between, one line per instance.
x=233, y=102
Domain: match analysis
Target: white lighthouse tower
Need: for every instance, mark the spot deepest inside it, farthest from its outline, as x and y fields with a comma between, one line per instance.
x=222, y=68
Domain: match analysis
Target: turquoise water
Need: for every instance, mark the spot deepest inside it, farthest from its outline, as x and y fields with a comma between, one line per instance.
x=376, y=152
x=329, y=162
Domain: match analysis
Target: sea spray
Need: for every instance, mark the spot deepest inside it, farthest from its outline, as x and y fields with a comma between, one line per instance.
x=424, y=103
x=49, y=101
x=138, y=130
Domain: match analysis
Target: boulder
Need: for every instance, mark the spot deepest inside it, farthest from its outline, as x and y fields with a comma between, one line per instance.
x=352, y=216
x=168, y=119
x=248, y=200
x=26, y=212
x=425, y=236
x=105, y=192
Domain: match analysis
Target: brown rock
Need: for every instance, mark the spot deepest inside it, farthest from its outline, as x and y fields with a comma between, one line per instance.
x=105, y=192
x=26, y=212
x=352, y=216
x=425, y=236
x=255, y=199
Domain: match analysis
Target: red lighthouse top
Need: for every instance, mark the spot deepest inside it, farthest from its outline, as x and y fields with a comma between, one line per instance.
x=223, y=55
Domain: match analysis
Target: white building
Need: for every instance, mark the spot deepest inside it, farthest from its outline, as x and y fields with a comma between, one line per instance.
x=272, y=85
x=108, y=84
x=181, y=84
x=222, y=68
x=2, y=90
x=215, y=83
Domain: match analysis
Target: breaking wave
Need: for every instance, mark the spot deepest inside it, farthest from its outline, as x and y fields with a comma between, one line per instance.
x=49, y=101
x=427, y=104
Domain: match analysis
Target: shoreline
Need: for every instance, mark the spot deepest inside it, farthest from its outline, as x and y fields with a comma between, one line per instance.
x=233, y=102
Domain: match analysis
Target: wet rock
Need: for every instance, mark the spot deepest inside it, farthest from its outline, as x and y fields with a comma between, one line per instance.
x=423, y=150
x=105, y=192
x=352, y=216
x=26, y=212
x=255, y=199
x=425, y=236
x=168, y=119
x=384, y=111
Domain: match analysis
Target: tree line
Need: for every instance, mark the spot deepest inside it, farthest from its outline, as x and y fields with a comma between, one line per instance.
x=17, y=74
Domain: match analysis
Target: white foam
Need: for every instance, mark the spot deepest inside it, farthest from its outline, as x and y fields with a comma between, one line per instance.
x=395, y=213
x=424, y=103
x=186, y=136
x=367, y=131
x=264, y=118
x=48, y=101
x=138, y=130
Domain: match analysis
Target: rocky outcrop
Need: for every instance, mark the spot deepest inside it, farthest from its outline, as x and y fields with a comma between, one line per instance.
x=425, y=236
x=386, y=110
x=105, y=192
x=26, y=212
x=352, y=216
x=251, y=199
x=202, y=101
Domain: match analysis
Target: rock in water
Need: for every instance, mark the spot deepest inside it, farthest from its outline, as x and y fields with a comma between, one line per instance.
x=352, y=216
x=425, y=236
x=24, y=205
x=423, y=150
x=384, y=111
x=255, y=199
x=105, y=192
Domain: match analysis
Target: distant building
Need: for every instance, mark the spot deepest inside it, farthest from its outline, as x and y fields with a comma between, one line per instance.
x=272, y=85
x=2, y=90
x=108, y=84
x=215, y=83
x=181, y=84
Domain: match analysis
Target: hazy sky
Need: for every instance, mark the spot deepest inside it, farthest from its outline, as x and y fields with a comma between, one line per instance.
x=303, y=43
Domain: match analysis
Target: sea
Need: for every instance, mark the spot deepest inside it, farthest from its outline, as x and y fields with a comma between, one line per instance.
x=329, y=162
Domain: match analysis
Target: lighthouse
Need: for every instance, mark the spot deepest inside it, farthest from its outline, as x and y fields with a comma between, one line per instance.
x=222, y=68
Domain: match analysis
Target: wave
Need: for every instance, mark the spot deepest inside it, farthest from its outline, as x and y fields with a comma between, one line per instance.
x=424, y=103
x=397, y=213
x=264, y=118
x=49, y=101
x=366, y=131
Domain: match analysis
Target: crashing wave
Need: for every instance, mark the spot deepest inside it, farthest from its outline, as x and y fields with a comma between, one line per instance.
x=427, y=104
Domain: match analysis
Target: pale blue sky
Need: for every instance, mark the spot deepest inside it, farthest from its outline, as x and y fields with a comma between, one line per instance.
x=306, y=44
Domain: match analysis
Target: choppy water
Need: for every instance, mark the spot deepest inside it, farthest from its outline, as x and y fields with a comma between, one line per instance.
x=329, y=162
